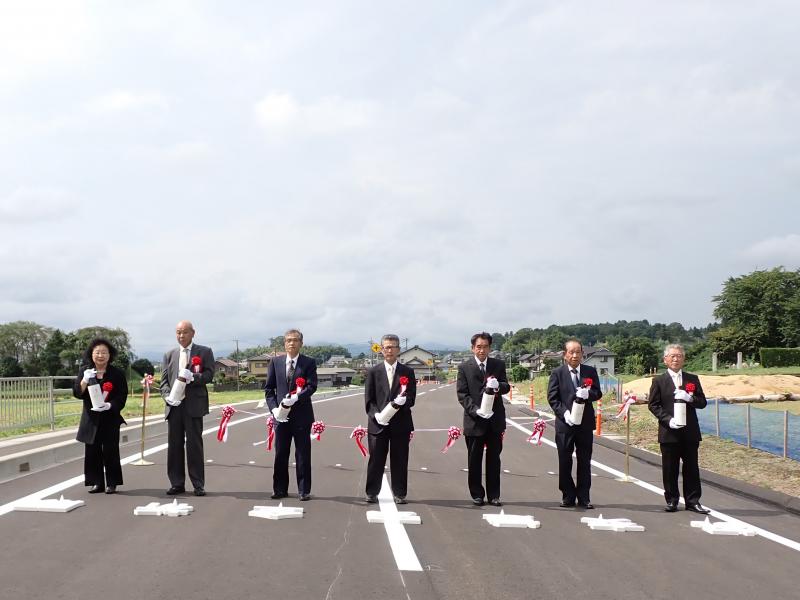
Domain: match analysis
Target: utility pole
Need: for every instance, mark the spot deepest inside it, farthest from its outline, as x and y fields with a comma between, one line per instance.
x=405, y=341
x=237, y=364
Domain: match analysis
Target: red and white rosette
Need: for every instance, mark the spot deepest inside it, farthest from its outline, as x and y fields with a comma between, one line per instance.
x=270, y=432
x=358, y=434
x=453, y=433
x=147, y=382
x=403, y=385
x=317, y=427
x=628, y=401
x=197, y=364
x=222, y=432
x=538, y=432
x=107, y=387
x=299, y=383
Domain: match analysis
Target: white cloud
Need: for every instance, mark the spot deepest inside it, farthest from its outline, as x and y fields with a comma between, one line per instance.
x=279, y=114
x=120, y=101
x=773, y=251
x=37, y=205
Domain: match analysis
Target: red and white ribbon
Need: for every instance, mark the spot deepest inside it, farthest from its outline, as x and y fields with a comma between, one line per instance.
x=147, y=382
x=270, y=432
x=453, y=433
x=317, y=427
x=197, y=364
x=538, y=432
x=107, y=387
x=625, y=407
x=358, y=434
x=222, y=432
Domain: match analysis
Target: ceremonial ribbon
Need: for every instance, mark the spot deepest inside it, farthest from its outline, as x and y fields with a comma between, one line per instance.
x=222, y=432
x=147, y=381
x=107, y=387
x=317, y=427
x=538, y=432
x=625, y=407
x=197, y=364
x=358, y=434
x=270, y=432
x=453, y=433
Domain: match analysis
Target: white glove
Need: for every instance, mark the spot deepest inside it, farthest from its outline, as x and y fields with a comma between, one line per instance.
x=683, y=395
x=287, y=402
x=582, y=393
x=172, y=402
x=489, y=416
x=568, y=418
x=674, y=425
x=492, y=384
x=186, y=375
x=88, y=374
x=399, y=401
x=106, y=406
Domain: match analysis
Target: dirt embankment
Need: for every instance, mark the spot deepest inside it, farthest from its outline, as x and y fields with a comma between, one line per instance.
x=733, y=386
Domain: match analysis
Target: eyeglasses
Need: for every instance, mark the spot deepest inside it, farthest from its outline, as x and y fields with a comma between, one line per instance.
x=675, y=356
x=391, y=347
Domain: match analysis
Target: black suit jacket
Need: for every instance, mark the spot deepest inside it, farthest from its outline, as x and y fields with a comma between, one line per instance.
x=377, y=394
x=661, y=401
x=469, y=388
x=91, y=421
x=195, y=403
x=561, y=395
x=301, y=413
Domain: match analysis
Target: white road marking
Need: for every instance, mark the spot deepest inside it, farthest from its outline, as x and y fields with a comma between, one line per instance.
x=403, y=551
x=78, y=480
x=774, y=537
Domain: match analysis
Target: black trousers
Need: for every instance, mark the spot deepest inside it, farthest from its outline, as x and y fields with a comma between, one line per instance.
x=394, y=444
x=671, y=456
x=103, y=453
x=494, y=446
x=284, y=434
x=580, y=441
x=183, y=429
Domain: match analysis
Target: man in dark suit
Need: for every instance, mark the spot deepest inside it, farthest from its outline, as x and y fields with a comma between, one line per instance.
x=476, y=376
x=382, y=387
x=194, y=364
x=566, y=385
x=678, y=442
x=280, y=389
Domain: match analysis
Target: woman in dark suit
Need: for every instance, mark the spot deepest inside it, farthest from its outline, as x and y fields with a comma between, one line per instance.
x=99, y=427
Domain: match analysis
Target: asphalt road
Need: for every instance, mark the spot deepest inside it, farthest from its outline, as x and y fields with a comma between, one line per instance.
x=101, y=549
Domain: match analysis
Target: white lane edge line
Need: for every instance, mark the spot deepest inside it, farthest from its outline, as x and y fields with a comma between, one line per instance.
x=403, y=551
x=78, y=479
x=774, y=537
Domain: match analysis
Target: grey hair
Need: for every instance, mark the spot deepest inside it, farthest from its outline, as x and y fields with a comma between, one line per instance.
x=297, y=331
x=674, y=347
x=390, y=337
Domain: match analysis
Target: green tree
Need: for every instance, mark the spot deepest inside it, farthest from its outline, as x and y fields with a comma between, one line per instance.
x=755, y=310
x=10, y=367
x=641, y=347
x=78, y=341
x=23, y=339
x=519, y=373
x=51, y=359
x=143, y=367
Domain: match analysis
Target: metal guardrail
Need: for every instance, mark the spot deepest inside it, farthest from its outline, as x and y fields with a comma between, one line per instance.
x=35, y=401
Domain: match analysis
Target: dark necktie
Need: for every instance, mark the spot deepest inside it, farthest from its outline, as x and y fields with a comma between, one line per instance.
x=290, y=374
x=575, y=378
x=483, y=371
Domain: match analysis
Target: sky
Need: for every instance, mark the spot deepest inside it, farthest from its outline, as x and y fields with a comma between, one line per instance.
x=430, y=169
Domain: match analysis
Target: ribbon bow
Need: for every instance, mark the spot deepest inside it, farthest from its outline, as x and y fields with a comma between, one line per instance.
x=270, y=432
x=453, y=433
x=538, y=432
x=317, y=427
x=222, y=432
x=358, y=434
x=624, y=409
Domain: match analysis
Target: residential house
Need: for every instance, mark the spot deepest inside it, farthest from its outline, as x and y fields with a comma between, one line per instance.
x=601, y=358
x=229, y=368
x=334, y=376
x=257, y=365
x=422, y=361
x=337, y=360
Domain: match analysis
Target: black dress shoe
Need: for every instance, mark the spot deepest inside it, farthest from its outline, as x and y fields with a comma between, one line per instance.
x=567, y=503
x=586, y=505
x=111, y=489
x=400, y=500
x=371, y=499
x=175, y=490
x=495, y=502
x=199, y=492
x=478, y=501
x=671, y=507
x=95, y=489
x=304, y=497
x=698, y=508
